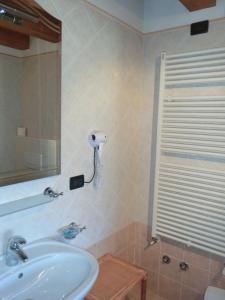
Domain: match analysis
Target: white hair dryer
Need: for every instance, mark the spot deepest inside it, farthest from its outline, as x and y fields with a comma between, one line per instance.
x=97, y=139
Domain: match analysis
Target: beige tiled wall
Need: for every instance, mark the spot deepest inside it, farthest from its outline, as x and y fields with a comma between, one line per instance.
x=121, y=244
x=166, y=281
x=101, y=90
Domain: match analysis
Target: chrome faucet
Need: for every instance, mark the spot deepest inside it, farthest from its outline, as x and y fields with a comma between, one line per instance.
x=14, y=252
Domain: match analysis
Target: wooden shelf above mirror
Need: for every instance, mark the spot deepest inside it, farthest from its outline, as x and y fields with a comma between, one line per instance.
x=22, y=19
x=14, y=40
x=193, y=5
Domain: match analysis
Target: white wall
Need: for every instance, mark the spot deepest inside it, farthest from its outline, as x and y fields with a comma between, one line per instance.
x=164, y=14
x=129, y=11
x=101, y=89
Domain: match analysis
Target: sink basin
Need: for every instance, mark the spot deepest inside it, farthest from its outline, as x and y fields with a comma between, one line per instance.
x=54, y=271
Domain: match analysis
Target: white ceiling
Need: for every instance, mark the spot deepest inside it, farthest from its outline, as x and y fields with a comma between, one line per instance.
x=154, y=15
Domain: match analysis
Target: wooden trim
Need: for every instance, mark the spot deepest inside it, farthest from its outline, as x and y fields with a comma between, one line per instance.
x=32, y=29
x=47, y=28
x=14, y=39
x=193, y=5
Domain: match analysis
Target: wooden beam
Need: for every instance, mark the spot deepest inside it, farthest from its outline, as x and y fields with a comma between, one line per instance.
x=14, y=40
x=29, y=28
x=193, y=5
x=47, y=27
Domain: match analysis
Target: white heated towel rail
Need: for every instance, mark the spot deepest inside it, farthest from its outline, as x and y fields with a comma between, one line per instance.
x=189, y=200
x=206, y=66
x=195, y=126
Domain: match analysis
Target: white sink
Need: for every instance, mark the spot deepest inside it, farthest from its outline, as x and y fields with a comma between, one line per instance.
x=54, y=271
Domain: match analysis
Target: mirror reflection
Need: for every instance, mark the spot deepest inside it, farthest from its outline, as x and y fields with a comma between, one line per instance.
x=29, y=108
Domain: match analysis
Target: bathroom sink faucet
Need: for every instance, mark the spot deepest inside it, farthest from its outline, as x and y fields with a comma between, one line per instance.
x=14, y=252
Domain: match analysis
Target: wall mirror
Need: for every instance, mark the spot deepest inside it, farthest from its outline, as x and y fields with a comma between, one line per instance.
x=30, y=96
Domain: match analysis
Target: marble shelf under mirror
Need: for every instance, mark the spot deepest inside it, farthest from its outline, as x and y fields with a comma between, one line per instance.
x=28, y=202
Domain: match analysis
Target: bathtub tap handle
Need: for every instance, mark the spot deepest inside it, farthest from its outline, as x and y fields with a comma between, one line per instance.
x=166, y=259
x=184, y=266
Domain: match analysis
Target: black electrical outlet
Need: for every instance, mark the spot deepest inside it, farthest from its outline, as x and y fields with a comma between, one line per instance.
x=200, y=27
x=76, y=182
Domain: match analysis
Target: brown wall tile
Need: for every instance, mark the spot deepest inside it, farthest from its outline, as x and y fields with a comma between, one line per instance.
x=171, y=248
x=150, y=258
x=141, y=232
x=197, y=258
x=153, y=282
x=195, y=278
x=189, y=294
x=216, y=265
x=171, y=270
x=165, y=281
x=169, y=289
